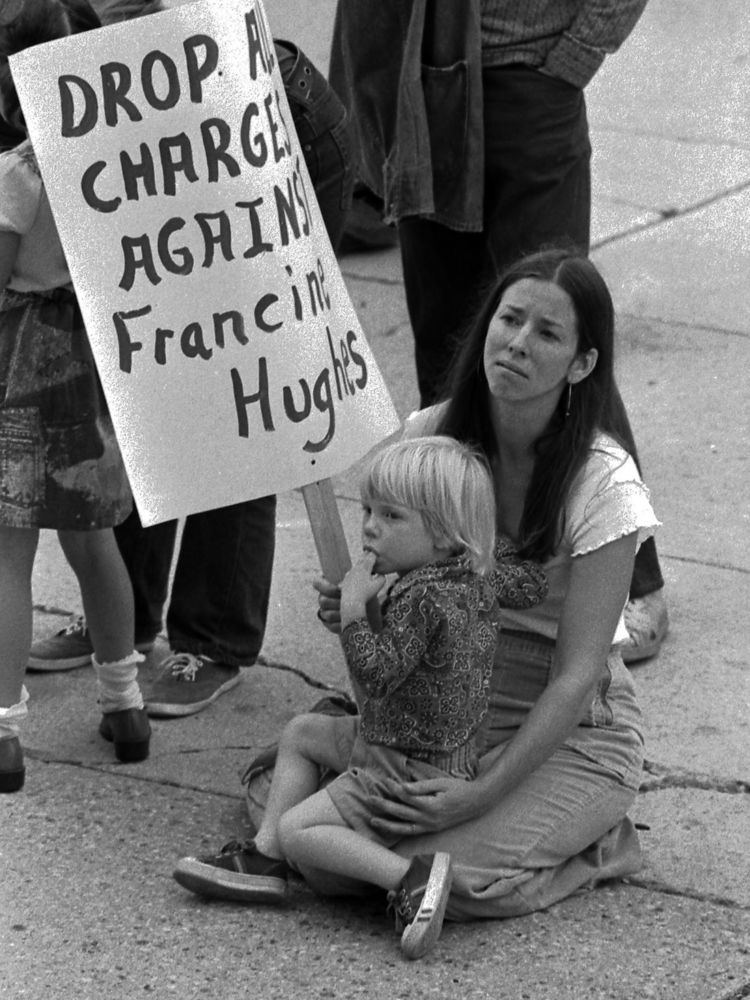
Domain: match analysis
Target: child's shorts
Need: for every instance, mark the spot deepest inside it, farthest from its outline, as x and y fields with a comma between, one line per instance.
x=366, y=778
x=60, y=464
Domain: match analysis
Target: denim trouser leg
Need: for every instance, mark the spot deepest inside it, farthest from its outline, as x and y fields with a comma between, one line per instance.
x=222, y=582
x=147, y=554
x=564, y=828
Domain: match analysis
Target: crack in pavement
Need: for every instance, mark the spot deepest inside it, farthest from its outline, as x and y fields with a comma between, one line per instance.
x=663, y=776
x=658, y=776
x=739, y=994
x=670, y=214
x=684, y=324
x=713, y=564
x=654, y=885
x=712, y=142
x=262, y=661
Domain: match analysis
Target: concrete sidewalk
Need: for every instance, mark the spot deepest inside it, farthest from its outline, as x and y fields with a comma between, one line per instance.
x=88, y=907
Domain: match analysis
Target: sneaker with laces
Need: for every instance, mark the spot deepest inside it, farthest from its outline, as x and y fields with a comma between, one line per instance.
x=69, y=648
x=187, y=684
x=418, y=904
x=647, y=622
x=239, y=872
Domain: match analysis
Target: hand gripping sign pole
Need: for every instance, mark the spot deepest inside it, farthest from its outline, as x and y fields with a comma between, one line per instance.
x=330, y=540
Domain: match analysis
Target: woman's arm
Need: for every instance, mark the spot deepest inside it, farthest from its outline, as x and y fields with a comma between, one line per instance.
x=598, y=589
x=596, y=596
x=9, y=243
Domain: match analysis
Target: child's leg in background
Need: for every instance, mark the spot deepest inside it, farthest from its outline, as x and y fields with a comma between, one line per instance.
x=105, y=591
x=17, y=551
x=108, y=606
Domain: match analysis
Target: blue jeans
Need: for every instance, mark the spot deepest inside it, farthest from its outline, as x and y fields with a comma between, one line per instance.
x=537, y=193
x=222, y=579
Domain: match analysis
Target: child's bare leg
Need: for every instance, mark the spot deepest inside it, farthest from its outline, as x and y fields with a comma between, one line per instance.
x=106, y=591
x=257, y=872
x=307, y=744
x=107, y=597
x=17, y=551
x=316, y=839
x=314, y=835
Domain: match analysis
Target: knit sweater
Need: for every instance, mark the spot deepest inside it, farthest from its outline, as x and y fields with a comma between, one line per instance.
x=566, y=38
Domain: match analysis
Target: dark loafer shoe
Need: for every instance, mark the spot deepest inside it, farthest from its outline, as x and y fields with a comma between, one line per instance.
x=130, y=731
x=12, y=771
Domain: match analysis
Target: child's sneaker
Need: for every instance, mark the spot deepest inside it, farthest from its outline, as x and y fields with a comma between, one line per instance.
x=69, y=648
x=239, y=872
x=418, y=904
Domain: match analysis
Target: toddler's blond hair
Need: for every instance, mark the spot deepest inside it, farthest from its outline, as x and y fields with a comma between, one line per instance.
x=448, y=483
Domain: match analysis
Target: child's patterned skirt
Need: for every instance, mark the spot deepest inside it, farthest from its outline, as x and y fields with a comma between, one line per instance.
x=60, y=465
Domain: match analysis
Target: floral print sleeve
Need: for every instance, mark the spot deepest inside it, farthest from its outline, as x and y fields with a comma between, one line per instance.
x=425, y=676
x=518, y=583
x=380, y=661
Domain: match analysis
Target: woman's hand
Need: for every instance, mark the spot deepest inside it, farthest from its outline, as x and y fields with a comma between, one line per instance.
x=329, y=604
x=427, y=805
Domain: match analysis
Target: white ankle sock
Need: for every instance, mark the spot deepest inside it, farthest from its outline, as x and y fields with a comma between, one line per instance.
x=12, y=716
x=118, y=683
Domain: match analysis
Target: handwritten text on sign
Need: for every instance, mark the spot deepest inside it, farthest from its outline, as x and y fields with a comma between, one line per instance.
x=229, y=351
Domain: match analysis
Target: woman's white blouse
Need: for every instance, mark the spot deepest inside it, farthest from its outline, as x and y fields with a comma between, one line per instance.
x=607, y=501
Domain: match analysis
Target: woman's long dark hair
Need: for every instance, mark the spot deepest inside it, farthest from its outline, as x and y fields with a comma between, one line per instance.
x=595, y=403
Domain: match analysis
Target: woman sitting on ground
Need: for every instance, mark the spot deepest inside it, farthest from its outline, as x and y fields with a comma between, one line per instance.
x=534, y=390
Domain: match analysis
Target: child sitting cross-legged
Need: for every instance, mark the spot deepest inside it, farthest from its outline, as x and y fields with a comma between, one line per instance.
x=422, y=685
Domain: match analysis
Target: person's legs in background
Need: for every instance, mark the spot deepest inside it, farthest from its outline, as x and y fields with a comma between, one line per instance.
x=147, y=554
x=17, y=550
x=444, y=272
x=218, y=606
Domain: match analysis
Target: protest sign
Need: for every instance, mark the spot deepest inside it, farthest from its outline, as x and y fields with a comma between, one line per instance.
x=230, y=354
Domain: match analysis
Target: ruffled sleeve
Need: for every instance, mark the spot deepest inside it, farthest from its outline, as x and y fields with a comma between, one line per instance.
x=21, y=188
x=423, y=422
x=608, y=500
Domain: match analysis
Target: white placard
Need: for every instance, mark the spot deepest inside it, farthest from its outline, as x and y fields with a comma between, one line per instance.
x=230, y=353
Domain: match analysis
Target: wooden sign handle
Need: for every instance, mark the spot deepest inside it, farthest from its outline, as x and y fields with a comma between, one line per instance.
x=330, y=542
x=327, y=529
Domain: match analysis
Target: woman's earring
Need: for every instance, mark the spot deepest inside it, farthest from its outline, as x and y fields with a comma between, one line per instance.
x=568, y=401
